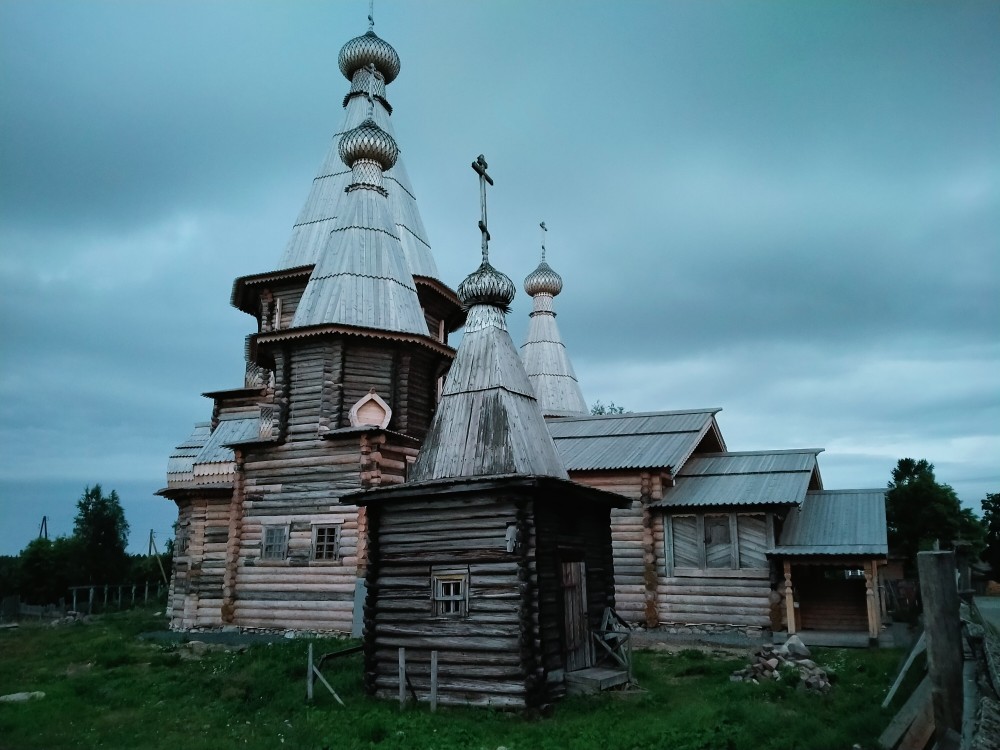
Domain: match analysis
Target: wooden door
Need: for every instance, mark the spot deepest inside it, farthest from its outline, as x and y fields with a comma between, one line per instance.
x=576, y=631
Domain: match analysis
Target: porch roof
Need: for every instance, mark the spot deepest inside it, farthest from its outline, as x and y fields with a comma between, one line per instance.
x=836, y=522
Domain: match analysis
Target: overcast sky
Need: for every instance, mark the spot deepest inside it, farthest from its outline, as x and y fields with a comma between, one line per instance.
x=788, y=210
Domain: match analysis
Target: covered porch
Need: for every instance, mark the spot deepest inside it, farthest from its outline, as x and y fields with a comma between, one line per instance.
x=831, y=551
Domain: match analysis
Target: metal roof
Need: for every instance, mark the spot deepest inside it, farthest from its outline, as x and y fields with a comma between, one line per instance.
x=630, y=441
x=547, y=363
x=836, y=522
x=488, y=421
x=181, y=461
x=326, y=199
x=228, y=431
x=757, y=478
x=361, y=277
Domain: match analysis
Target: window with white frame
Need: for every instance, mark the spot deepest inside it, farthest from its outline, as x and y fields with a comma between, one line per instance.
x=326, y=541
x=450, y=591
x=274, y=543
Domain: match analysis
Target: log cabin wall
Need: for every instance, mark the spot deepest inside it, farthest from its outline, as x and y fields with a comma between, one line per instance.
x=632, y=538
x=199, y=562
x=690, y=593
x=413, y=542
x=567, y=532
x=293, y=489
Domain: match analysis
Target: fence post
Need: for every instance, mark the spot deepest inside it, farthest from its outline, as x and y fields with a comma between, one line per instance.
x=105, y=596
x=309, y=676
x=944, y=641
x=145, y=595
x=434, y=681
x=90, y=601
x=402, y=678
x=74, y=598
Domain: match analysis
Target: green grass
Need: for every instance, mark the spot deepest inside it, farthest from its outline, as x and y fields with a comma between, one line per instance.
x=107, y=688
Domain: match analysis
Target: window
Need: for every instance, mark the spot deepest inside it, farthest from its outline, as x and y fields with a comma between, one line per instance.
x=450, y=591
x=274, y=545
x=734, y=541
x=326, y=542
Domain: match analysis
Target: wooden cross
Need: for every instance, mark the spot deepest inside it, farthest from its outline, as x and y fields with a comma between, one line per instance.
x=545, y=229
x=371, y=15
x=480, y=166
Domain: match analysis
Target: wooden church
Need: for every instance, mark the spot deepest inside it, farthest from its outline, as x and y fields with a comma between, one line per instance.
x=311, y=486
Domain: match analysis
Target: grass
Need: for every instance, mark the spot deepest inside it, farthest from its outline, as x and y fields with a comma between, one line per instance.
x=106, y=688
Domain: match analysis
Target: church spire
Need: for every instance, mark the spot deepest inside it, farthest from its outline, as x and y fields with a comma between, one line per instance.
x=545, y=358
x=361, y=277
x=488, y=421
x=326, y=197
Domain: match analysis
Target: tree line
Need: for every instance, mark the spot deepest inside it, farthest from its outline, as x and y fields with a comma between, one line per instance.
x=94, y=554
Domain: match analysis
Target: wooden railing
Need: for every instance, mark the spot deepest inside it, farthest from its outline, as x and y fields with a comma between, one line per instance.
x=613, y=640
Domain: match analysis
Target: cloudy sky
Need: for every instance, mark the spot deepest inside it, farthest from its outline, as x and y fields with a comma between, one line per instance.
x=787, y=210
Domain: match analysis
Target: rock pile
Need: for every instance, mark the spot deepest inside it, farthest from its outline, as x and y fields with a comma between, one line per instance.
x=788, y=661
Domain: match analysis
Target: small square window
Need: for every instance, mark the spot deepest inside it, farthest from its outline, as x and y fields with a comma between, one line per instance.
x=326, y=542
x=275, y=543
x=450, y=591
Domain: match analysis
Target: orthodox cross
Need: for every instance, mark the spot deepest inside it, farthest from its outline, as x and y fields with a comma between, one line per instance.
x=480, y=166
x=545, y=229
x=371, y=15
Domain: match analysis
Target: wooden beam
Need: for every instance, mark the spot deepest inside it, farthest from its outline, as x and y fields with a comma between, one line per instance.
x=789, y=599
x=944, y=638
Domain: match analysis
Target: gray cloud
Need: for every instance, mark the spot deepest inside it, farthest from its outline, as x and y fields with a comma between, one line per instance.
x=788, y=212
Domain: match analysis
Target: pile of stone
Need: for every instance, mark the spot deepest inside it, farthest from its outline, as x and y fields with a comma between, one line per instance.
x=787, y=661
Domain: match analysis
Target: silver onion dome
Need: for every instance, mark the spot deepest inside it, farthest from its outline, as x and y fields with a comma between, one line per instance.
x=369, y=49
x=543, y=280
x=368, y=141
x=486, y=286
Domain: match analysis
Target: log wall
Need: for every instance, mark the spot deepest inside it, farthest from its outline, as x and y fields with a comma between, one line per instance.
x=196, y=587
x=712, y=596
x=479, y=655
x=632, y=539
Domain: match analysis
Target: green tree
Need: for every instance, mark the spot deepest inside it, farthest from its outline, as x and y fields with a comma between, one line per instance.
x=920, y=510
x=47, y=569
x=599, y=408
x=101, y=530
x=991, y=522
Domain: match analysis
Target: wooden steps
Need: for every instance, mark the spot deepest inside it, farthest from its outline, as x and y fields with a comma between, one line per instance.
x=594, y=680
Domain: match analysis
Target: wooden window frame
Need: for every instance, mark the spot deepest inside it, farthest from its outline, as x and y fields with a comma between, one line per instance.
x=318, y=546
x=273, y=555
x=734, y=570
x=446, y=600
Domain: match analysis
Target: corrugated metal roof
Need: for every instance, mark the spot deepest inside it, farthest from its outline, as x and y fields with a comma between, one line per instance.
x=744, y=478
x=488, y=421
x=326, y=199
x=836, y=522
x=181, y=461
x=228, y=431
x=630, y=441
x=361, y=277
x=548, y=365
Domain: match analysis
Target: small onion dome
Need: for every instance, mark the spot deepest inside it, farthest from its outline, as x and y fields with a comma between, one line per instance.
x=368, y=141
x=543, y=280
x=365, y=49
x=486, y=286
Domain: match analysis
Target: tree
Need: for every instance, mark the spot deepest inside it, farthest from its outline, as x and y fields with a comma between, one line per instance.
x=920, y=510
x=599, y=408
x=991, y=522
x=102, y=532
x=47, y=569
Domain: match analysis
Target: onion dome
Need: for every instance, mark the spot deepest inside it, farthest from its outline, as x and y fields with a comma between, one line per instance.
x=543, y=280
x=368, y=141
x=369, y=49
x=486, y=286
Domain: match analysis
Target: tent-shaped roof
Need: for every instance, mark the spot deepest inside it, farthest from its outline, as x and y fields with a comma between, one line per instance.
x=326, y=197
x=662, y=439
x=744, y=478
x=488, y=421
x=836, y=522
